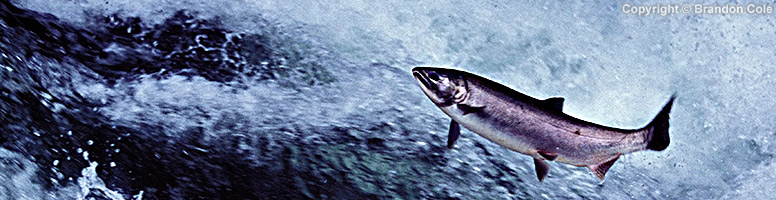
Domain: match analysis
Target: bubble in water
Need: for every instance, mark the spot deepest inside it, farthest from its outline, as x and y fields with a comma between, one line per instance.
x=90, y=142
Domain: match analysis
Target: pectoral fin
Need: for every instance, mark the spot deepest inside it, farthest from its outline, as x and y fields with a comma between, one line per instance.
x=555, y=102
x=600, y=169
x=470, y=108
x=452, y=136
x=542, y=168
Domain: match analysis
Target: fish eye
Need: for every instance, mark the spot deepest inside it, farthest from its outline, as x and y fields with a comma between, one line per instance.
x=433, y=76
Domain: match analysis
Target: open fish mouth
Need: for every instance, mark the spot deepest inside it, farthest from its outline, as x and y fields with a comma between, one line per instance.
x=428, y=86
x=423, y=79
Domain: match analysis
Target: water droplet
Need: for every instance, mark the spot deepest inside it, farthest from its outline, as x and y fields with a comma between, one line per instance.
x=56, y=162
x=36, y=133
x=117, y=150
x=79, y=150
x=112, y=164
x=90, y=142
x=69, y=133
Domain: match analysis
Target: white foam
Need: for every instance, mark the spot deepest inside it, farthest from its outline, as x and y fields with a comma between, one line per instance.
x=622, y=67
x=18, y=175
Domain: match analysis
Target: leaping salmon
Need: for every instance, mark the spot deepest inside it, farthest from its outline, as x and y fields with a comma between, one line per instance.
x=537, y=128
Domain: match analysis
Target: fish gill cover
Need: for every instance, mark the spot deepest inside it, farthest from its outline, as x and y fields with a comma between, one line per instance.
x=313, y=100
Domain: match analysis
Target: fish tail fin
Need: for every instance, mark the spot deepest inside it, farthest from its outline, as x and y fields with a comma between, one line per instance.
x=657, y=138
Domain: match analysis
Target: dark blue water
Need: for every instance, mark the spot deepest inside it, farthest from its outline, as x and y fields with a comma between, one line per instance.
x=53, y=123
x=313, y=100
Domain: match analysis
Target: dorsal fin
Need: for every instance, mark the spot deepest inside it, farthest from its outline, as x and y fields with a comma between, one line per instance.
x=600, y=169
x=555, y=102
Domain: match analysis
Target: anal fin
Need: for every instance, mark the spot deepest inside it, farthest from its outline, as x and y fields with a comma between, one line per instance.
x=548, y=155
x=542, y=168
x=452, y=136
x=600, y=169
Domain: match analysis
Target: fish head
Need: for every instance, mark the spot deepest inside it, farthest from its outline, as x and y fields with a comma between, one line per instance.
x=443, y=86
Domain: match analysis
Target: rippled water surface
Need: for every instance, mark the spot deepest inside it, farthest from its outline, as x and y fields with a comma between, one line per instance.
x=314, y=99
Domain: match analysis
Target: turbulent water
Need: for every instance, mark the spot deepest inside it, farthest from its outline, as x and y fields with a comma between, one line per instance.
x=314, y=100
